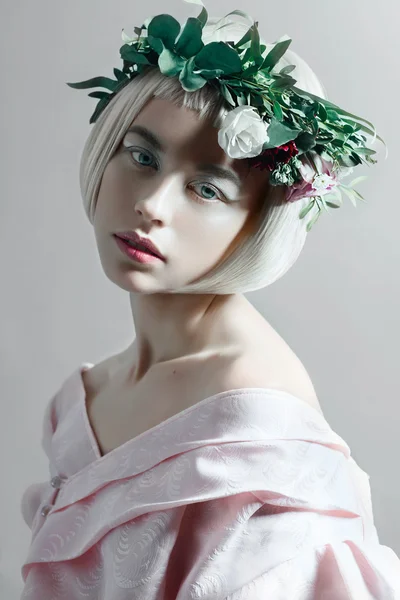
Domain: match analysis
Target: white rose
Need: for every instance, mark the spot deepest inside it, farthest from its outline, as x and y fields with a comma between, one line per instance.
x=243, y=133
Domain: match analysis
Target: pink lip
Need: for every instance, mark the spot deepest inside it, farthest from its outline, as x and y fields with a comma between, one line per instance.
x=134, y=253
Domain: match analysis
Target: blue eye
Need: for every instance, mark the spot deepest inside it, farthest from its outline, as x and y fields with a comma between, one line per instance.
x=142, y=153
x=214, y=191
x=202, y=199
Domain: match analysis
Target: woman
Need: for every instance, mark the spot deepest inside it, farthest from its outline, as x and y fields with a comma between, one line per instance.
x=196, y=463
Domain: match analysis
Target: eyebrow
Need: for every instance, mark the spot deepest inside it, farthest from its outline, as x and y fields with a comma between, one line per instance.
x=207, y=168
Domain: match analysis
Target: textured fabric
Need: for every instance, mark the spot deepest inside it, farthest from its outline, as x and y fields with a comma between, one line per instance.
x=247, y=495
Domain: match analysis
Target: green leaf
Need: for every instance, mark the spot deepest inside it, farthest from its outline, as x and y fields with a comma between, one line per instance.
x=169, y=63
x=131, y=55
x=332, y=114
x=305, y=141
x=189, y=41
x=105, y=82
x=100, y=95
x=313, y=220
x=203, y=17
x=99, y=109
x=218, y=55
x=156, y=44
x=275, y=54
x=306, y=210
x=357, y=180
x=349, y=194
x=119, y=74
x=322, y=112
x=365, y=150
x=227, y=95
x=246, y=38
x=282, y=83
x=189, y=80
x=279, y=134
x=209, y=73
x=241, y=99
x=286, y=70
x=334, y=194
x=340, y=111
x=278, y=111
x=347, y=161
x=255, y=46
x=166, y=28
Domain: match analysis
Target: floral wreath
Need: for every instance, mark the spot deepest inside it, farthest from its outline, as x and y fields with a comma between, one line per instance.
x=306, y=142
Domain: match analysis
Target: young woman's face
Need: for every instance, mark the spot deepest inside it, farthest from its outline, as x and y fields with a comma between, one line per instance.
x=168, y=195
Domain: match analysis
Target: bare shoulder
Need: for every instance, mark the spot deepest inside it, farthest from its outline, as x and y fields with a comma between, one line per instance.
x=288, y=375
x=267, y=361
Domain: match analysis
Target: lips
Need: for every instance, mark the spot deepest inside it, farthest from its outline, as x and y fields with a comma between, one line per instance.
x=139, y=247
x=140, y=242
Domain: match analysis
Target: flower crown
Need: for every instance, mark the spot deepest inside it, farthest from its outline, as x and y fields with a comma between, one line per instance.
x=306, y=143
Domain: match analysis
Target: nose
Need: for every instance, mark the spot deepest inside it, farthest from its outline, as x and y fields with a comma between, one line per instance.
x=155, y=203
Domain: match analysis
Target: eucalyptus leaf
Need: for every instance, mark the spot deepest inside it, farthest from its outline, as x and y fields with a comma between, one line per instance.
x=99, y=109
x=209, y=73
x=105, y=82
x=169, y=63
x=243, y=40
x=241, y=99
x=166, y=28
x=131, y=55
x=305, y=141
x=100, y=95
x=227, y=95
x=286, y=70
x=349, y=193
x=255, y=46
x=305, y=210
x=357, y=180
x=277, y=111
x=190, y=81
x=313, y=220
x=279, y=134
x=282, y=83
x=203, y=17
x=322, y=112
x=275, y=54
x=365, y=151
x=334, y=194
x=217, y=55
x=156, y=44
x=332, y=114
x=189, y=41
x=119, y=74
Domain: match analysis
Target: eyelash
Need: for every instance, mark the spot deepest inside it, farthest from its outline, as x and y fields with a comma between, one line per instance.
x=131, y=150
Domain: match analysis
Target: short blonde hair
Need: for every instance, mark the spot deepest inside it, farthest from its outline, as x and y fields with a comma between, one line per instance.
x=272, y=238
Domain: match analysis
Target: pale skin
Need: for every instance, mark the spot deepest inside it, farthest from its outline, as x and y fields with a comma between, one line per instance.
x=187, y=346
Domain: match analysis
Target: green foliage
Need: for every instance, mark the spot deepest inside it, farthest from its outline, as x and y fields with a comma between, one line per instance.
x=245, y=75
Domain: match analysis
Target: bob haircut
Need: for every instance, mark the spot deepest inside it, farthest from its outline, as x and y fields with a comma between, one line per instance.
x=272, y=237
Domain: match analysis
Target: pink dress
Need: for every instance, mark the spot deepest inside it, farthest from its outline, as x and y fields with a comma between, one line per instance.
x=247, y=495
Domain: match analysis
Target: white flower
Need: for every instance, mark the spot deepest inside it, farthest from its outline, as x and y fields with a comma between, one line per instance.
x=243, y=133
x=324, y=183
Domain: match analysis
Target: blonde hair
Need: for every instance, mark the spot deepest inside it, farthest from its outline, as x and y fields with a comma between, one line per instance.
x=272, y=238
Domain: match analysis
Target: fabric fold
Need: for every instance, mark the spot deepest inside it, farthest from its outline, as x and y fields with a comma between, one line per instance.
x=247, y=494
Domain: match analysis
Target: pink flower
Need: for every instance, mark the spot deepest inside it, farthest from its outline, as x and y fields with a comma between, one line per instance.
x=313, y=183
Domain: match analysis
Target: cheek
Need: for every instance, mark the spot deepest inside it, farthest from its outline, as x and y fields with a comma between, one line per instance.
x=210, y=234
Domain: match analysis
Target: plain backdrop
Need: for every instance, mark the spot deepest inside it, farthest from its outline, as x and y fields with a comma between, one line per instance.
x=338, y=307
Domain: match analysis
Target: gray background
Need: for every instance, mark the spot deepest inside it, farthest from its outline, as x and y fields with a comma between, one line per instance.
x=338, y=307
